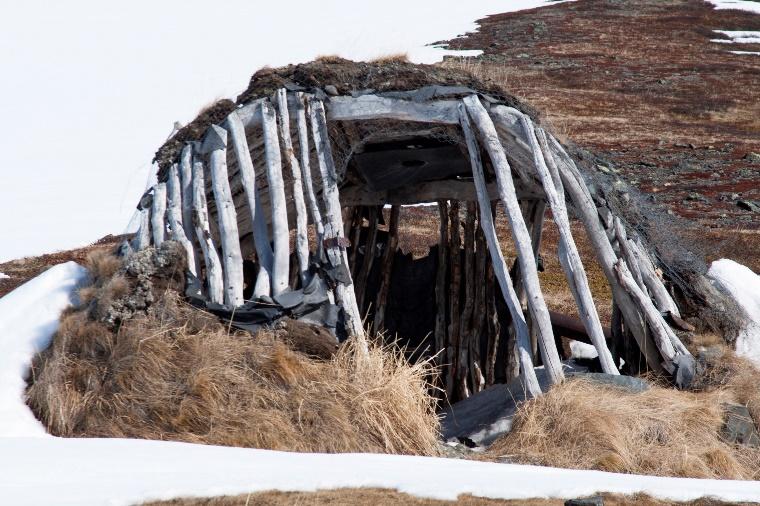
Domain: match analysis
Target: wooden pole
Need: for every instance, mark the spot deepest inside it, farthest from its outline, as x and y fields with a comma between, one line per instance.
x=387, y=268
x=536, y=303
x=280, y=232
x=158, y=214
x=311, y=198
x=215, y=144
x=479, y=311
x=652, y=281
x=186, y=193
x=336, y=252
x=302, y=241
x=465, y=361
x=569, y=257
x=500, y=268
x=142, y=238
x=263, y=248
x=455, y=280
x=175, y=217
x=626, y=251
x=441, y=285
x=360, y=285
x=203, y=233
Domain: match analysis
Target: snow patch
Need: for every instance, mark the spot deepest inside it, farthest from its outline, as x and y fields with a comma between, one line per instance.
x=738, y=37
x=745, y=52
x=743, y=285
x=742, y=5
x=4, y=276
x=583, y=350
x=28, y=319
x=121, y=471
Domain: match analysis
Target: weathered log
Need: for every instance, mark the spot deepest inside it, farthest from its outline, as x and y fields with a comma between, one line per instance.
x=175, y=217
x=497, y=259
x=626, y=252
x=311, y=198
x=373, y=107
x=186, y=184
x=465, y=360
x=142, y=237
x=158, y=214
x=568, y=252
x=652, y=281
x=370, y=245
x=302, y=241
x=536, y=302
x=386, y=268
x=280, y=232
x=336, y=253
x=203, y=233
x=605, y=255
x=356, y=232
x=247, y=173
x=215, y=144
x=455, y=280
x=441, y=285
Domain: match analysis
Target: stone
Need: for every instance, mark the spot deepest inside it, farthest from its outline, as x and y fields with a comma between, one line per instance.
x=752, y=157
x=331, y=90
x=748, y=205
x=595, y=500
x=738, y=427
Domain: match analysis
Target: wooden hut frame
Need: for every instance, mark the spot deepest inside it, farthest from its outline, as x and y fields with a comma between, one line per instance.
x=239, y=197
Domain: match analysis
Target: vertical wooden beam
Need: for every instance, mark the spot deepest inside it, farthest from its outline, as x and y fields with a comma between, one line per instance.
x=142, y=238
x=568, y=252
x=465, y=359
x=158, y=214
x=386, y=268
x=203, y=233
x=311, y=198
x=441, y=285
x=336, y=253
x=215, y=144
x=302, y=241
x=497, y=259
x=186, y=185
x=536, y=303
x=175, y=217
x=280, y=232
x=455, y=280
x=360, y=285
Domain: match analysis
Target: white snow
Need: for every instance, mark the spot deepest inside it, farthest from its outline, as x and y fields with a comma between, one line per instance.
x=118, y=471
x=744, y=286
x=28, y=318
x=3, y=275
x=745, y=52
x=743, y=5
x=738, y=37
x=583, y=350
x=50, y=470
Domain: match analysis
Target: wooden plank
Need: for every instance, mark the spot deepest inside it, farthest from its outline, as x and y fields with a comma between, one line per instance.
x=158, y=214
x=370, y=245
x=302, y=241
x=387, y=268
x=527, y=372
x=280, y=231
x=441, y=281
x=247, y=173
x=176, y=224
x=569, y=257
x=372, y=107
x=344, y=292
x=536, y=303
x=215, y=144
x=215, y=283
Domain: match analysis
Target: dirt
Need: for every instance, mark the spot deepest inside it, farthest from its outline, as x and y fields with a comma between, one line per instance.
x=640, y=84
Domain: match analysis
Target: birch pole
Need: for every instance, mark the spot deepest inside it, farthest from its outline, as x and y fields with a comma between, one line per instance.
x=142, y=238
x=215, y=143
x=528, y=268
x=175, y=217
x=568, y=252
x=158, y=214
x=186, y=185
x=500, y=267
x=302, y=241
x=203, y=233
x=261, y=243
x=336, y=253
x=303, y=144
x=280, y=232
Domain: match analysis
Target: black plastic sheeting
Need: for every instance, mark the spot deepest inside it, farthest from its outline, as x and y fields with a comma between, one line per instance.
x=309, y=304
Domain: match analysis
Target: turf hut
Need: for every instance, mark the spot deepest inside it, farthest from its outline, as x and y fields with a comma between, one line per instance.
x=278, y=199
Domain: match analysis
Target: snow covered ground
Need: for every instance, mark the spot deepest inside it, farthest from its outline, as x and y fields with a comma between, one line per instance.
x=743, y=5
x=744, y=286
x=4, y=276
x=49, y=470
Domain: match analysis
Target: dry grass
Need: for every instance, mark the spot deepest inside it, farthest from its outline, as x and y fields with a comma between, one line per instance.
x=386, y=497
x=176, y=373
x=391, y=58
x=664, y=432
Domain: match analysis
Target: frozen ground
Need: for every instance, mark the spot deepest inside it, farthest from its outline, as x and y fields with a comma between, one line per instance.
x=744, y=286
x=51, y=470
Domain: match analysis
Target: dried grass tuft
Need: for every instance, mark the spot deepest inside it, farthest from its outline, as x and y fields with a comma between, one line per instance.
x=391, y=58
x=176, y=373
x=584, y=425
